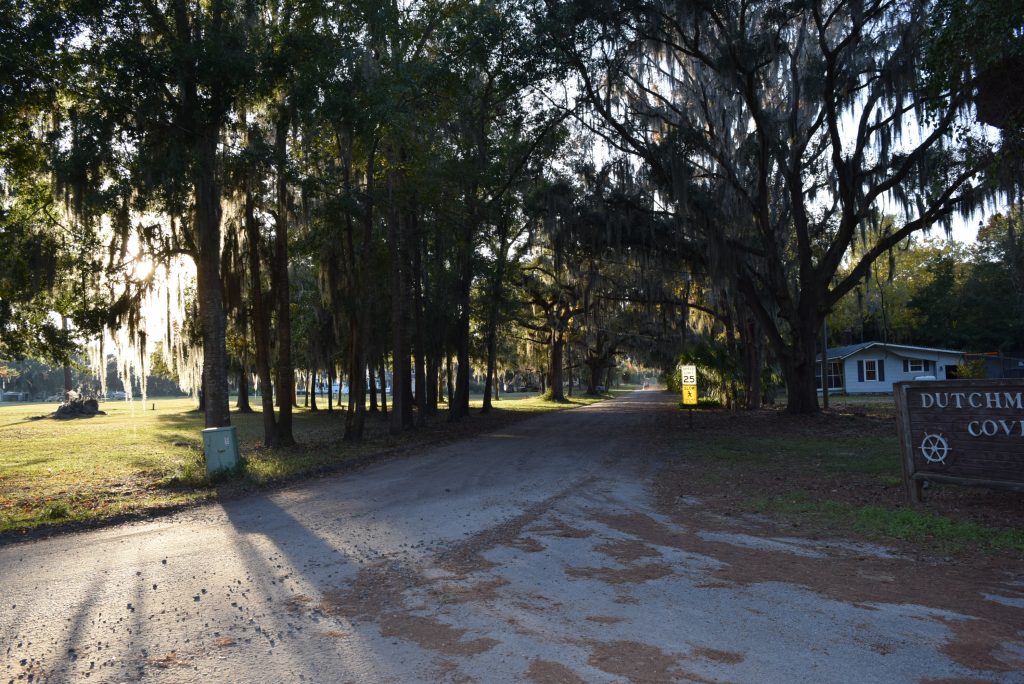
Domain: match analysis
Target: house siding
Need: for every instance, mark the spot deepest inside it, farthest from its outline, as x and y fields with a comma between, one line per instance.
x=892, y=365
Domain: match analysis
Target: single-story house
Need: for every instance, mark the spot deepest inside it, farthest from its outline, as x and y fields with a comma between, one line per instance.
x=871, y=367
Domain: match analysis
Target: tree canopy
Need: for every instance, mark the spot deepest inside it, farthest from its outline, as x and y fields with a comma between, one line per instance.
x=419, y=199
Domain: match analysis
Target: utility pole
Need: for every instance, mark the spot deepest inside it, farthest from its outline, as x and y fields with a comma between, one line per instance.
x=824, y=364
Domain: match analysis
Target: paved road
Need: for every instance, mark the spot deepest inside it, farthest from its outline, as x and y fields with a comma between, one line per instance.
x=538, y=554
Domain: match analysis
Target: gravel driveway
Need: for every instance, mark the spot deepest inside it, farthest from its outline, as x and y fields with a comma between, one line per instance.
x=541, y=554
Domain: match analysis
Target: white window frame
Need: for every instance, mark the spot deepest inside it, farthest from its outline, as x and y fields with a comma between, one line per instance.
x=871, y=370
x=916, y=365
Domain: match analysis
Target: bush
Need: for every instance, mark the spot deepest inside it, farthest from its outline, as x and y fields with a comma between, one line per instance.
x=56, y=511
x=972, y=369
x=673, y=381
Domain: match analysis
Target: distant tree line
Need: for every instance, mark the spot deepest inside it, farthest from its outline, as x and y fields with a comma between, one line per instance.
x=931, y=293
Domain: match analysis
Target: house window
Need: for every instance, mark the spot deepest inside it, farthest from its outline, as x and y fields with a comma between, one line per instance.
x=916, y=366
x=871, y=370
x=835, y=375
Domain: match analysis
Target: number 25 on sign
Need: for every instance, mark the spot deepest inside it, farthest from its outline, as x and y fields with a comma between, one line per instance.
x=689, y=377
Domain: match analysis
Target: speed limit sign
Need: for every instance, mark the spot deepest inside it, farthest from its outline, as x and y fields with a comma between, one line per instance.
x=689, y=374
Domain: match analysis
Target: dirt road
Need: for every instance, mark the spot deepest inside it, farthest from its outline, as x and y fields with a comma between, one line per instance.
x=542, y=554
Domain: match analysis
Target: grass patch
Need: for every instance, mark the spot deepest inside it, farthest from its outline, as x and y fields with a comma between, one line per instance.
x=799, y=503
x=923, y=526
x=534, y=403
x=57, y=510
x=837, y=455
x=909, y=525
x=133, y=460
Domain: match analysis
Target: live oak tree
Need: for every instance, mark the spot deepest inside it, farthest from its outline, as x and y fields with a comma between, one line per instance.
x=48, y=263
x=157, y=85
x=497, y=60
x=775, y=132
x=286, y=85
x=979, y=42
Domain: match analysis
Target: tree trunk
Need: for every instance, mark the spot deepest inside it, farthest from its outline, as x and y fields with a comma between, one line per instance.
x=330, y=388
x=799, y=370
x=356, y=418
x=448, y=386
x=401, y=410
x=730, y=346
x=242, y=404
x=420, y=398
x=285, y=372
x=210, y=289
x=67, y=369
x=383, y=387
x=754, y=360
x=492, y=347
x=801, y=388
x=410, y=401
x=372, y=382
x=433, y=382
x=460, y=400
x=556, y=390
x=568, y=354
x=433, y=338
x=260, y=321
x=594, y=377
x=311, y=390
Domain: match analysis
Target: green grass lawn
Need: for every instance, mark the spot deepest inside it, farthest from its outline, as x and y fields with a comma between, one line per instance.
x=148, y=457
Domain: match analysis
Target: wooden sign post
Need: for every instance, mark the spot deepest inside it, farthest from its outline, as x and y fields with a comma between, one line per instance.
x=967, y=432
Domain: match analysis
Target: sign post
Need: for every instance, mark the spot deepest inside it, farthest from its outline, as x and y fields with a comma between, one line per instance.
x=689, y=378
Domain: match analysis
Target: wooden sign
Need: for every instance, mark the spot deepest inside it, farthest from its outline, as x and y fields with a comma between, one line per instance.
x=968, y=432
x=689, y=377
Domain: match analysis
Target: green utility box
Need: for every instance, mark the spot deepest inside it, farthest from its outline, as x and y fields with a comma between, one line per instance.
x=221, y=448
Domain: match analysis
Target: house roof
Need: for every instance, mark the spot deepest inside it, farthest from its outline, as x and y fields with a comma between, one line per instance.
x=851, y=349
